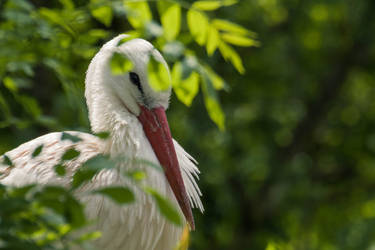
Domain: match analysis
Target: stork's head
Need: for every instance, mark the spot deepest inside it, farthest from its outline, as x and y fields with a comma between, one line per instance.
x=133, y=91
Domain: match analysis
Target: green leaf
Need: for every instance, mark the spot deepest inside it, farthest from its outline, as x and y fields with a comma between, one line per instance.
x=147, y=163
x=126, y=39
x=230, y=54
x=170, y=15
x=166, y=208
x=139, y=13
x=82, y=176
x=30, y=105
x=120, y=64
x=10, y=84
x=74, y=212
x=68, y=4
x=70, y=154
x=229, y=2
x=120, y=195
x=60, y=170
x=89, y=236
x=212, y=103
x=213, y=40
x=198, y=25
x=7, y=161
x=185, y=89
x=158, y=74
x=228, y=26
x=217, y=82
x=207, y=5
x=37, y=151
x=136, y=175
x=239, y=40
x=72, y=138
x=98, y=163
x=21, y=191
x=90, y=168
x=103, y=14
x=210, y=5
x=103, y=135
x=55, y=17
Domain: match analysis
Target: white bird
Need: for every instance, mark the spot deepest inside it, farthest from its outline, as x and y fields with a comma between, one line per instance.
x=134, y=113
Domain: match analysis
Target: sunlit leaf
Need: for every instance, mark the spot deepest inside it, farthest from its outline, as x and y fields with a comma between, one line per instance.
x=212, y=103
x=89, y=236
x=120, y=195
x=198, y=25
x=126, y=39
x=229, y=2
x=217, y=82
x=185, y=89
x=120, y=64
x=239, y=40
x=230, y=54
x=70, y=154
x=170, y=19
x=139, y=13
x=158, y=75
x=207, y=5
x=225, y=25
x=136, y=175
x=103, y=14
x=68, y=4
x=166, y=208
x=10, y=84
x=37, y=151
x=213, y=40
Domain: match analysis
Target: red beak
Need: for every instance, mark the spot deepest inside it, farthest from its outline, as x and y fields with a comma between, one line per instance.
x=155, y=126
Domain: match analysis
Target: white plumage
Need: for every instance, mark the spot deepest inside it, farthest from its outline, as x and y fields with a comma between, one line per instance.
x=113, y=104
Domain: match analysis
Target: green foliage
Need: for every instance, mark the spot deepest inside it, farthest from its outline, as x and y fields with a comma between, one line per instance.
x=158, y=75
x=37, y=151
x=70, y=154
x=72, y=138
x=39, y=218
x=170, y=17
x=120, y=195
x=165, y=207
x=120, y=64
x=90, y=168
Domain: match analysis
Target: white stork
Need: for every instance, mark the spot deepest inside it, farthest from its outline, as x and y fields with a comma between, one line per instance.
x=126, y=106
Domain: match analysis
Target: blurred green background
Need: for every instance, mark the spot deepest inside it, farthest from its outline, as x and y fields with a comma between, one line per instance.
x=295, y=167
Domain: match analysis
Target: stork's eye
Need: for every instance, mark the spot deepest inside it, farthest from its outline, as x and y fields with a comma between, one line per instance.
x=134, y=78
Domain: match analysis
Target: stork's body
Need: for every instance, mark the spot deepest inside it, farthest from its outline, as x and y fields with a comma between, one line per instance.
x=115, y=106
